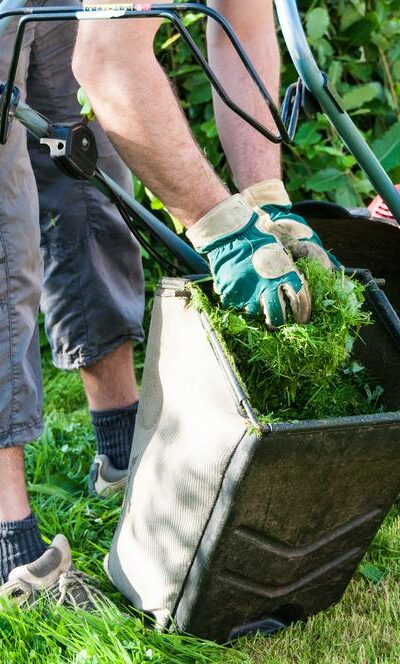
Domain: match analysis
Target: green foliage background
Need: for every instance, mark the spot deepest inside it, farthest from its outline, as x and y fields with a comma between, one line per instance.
x=357, y=43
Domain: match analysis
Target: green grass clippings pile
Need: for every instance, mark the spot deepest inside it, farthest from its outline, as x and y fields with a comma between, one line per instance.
x=302, y=371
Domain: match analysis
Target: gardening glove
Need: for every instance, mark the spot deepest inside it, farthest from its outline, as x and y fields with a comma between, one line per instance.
x=270, y=197
x=251, y=268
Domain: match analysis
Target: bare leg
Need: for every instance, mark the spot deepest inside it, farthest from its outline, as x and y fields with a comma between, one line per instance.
x=134, y=102
x=252, y=158
x=14, y=504
x=111, y=382
x=20, y=539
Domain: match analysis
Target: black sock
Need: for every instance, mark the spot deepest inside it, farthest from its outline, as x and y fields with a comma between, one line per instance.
x=114, y=433
x=20, y=543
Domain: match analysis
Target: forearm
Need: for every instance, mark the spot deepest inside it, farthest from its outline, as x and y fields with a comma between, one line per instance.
x=252, y=157
x=134, y=102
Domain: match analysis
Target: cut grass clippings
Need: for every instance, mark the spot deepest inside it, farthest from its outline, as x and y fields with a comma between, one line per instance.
x=302, y=371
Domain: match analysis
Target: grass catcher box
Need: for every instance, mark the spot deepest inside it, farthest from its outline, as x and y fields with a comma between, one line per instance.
x=230, y=527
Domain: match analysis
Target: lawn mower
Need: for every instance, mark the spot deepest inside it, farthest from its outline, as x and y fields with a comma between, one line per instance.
x=231, y=527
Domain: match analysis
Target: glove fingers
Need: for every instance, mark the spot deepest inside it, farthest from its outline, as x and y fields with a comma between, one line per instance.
x=299, y=239
x=272, y=261
x=289, y=230
x=300, y=302
x=304, y=249
x=273, y=305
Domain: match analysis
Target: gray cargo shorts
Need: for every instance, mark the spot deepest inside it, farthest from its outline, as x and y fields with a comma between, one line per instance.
x=91, y=290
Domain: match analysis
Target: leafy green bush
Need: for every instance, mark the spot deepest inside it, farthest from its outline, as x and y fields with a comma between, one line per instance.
x=357, y=43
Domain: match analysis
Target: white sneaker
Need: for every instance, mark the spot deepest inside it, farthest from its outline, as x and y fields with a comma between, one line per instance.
x=52, y=575
x=104, y=478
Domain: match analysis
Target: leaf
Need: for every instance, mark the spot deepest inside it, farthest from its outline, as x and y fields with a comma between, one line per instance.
x=200, y=94
x=371, y=572
x=47, y=490
x=335, y=72
x=210, y=128
x=396, y=70
x=317, y=23
x=363, y=186
x=308, y=134
x=360, y=33
x=349, y=16
x=327, y=180
x=236, y=324
x=179, y=227
x=387, y=148
x=361, y=94
x=155, y=202
x=324, y=50
x=170, y=41
x=346, y=197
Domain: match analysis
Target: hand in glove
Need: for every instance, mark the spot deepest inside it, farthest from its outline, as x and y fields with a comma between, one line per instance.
x=270, y=197
x=251, y=268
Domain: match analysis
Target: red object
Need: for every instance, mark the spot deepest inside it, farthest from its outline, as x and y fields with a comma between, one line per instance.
x=379, y=209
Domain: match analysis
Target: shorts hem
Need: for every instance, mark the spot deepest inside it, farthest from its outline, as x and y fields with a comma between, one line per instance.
x=84, y=357
x=21, y=434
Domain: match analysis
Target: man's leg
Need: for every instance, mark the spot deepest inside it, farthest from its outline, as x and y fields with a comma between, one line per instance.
x=20, y=540
x=135, y=104
x=14, y=505
x=20, y=377
x=111, y=383
x=112, y=393
x=252, y=158
x=93, y=294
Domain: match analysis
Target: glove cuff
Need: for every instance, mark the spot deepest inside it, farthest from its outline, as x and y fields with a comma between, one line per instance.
x=268, y=192
x=224, y=219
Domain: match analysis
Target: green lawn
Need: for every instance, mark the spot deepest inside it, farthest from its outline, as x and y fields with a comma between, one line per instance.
x=364, y=627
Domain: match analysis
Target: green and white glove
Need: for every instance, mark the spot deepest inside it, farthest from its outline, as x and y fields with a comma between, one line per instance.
x=270, y=197
x=252, y=270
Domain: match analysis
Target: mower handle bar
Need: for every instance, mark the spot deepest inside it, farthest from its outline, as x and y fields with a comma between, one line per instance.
x=171, y=12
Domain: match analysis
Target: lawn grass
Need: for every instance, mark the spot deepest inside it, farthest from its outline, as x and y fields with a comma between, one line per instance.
x=363, y=627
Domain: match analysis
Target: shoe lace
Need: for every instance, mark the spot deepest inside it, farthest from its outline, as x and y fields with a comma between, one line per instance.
x=76, y=589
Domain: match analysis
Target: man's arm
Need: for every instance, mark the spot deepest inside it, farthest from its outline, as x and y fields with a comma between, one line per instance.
x=251, y=157
x=133, y=100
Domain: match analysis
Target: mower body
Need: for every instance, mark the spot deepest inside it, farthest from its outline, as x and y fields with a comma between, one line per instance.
x=230, y=527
